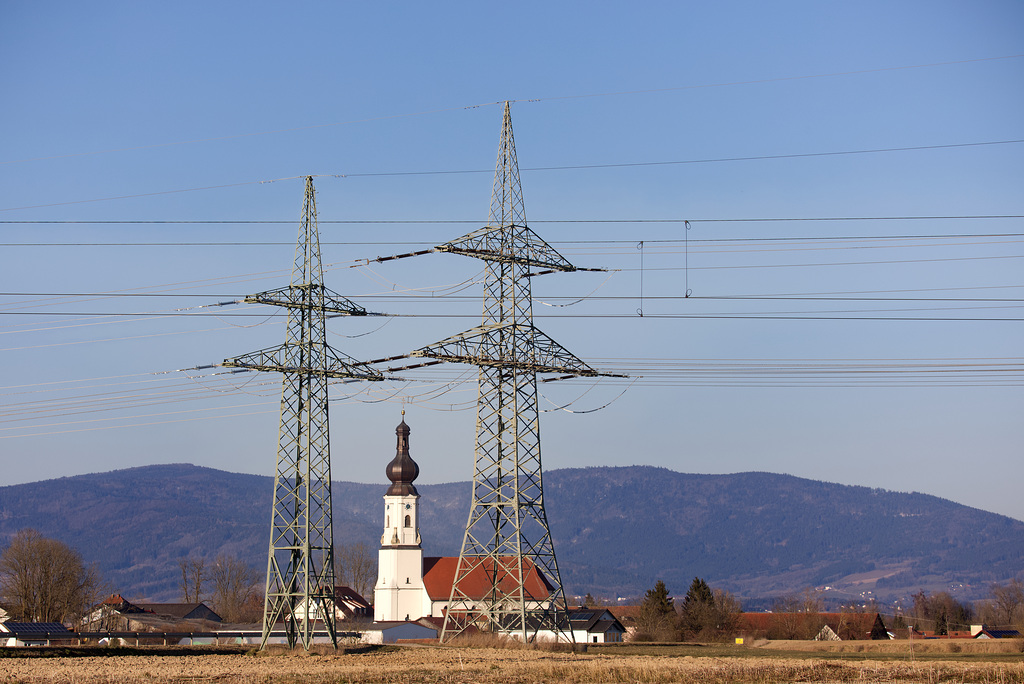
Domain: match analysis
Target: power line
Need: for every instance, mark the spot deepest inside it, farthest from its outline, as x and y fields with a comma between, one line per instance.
x=771, y=156
x=608, y=298
x=808, y=242
x=414, y=221
x=744, y=316
x=653, y=372
x=575, y=244
x=153, y=194
x=677, y=162
x=384, y=174
x=832, y=263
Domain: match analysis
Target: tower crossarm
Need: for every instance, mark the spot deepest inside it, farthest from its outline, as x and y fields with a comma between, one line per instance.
x=296, y=358
x=510, y=243
x=307, y=296
x=508, y=345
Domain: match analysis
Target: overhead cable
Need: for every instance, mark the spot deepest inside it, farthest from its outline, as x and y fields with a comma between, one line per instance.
x=537, y=168
x=751, y=219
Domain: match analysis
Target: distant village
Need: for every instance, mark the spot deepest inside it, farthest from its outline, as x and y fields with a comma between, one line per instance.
x=50, y=597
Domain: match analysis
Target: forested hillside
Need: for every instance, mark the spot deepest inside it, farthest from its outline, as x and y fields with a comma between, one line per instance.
x=616, y=530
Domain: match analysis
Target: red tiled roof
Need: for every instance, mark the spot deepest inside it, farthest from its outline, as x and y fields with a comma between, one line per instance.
x=439, y=574
x=623, y=613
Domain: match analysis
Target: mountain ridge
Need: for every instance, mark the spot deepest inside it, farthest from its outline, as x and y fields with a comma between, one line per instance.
x=616, y=529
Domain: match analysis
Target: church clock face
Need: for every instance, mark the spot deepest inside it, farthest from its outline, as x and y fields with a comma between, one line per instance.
x=407, y=506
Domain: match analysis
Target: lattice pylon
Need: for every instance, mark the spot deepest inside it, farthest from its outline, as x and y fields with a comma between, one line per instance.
x=300, y=559
x=507, y=548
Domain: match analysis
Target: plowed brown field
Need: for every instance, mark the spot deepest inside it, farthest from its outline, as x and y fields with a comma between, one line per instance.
x=502, y=666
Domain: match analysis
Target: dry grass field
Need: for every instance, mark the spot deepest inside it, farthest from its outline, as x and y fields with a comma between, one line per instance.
x=764, y=663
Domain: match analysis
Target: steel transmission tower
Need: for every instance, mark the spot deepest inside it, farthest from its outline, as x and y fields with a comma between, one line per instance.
x=300, y=561
x=507, y=539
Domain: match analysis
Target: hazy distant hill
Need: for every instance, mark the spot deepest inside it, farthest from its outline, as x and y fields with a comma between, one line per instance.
x=616, y=530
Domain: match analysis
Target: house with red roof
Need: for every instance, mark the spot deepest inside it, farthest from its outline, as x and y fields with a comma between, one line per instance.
x=439, y=575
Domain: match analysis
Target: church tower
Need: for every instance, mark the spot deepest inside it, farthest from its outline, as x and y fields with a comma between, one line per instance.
x=400, y=594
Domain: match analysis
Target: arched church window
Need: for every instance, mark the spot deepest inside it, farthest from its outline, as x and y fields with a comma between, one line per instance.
x=408, y=521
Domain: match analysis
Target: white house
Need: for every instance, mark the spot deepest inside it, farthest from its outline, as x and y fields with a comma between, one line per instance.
x=595, y=626
x=589, y=626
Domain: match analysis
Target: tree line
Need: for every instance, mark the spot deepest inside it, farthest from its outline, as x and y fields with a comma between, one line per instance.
x=707, y=614
x=45, y=580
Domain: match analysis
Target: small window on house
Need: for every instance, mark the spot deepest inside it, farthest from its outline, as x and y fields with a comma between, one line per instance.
x=595, y=639
x=408, y=521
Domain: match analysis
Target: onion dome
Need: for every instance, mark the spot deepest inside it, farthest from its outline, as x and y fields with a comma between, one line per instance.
x=402, y=470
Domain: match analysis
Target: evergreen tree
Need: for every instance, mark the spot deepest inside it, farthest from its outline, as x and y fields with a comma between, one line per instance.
x=657, y=614
x=699, y=594
x=698, y=608
x=658, y=600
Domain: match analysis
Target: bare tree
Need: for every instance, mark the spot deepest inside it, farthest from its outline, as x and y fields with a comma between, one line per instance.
x=355, y=566
x=44, y=580
x=1007, y=600
x=236, y=590
x=941, y=611
x=800, y=615
x=727, y=612
x=193, y=573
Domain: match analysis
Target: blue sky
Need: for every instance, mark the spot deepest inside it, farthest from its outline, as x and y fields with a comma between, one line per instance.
x=131, y=129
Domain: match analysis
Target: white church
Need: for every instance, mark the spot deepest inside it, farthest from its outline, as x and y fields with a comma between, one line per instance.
x=400, y=593
x=411, y=587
